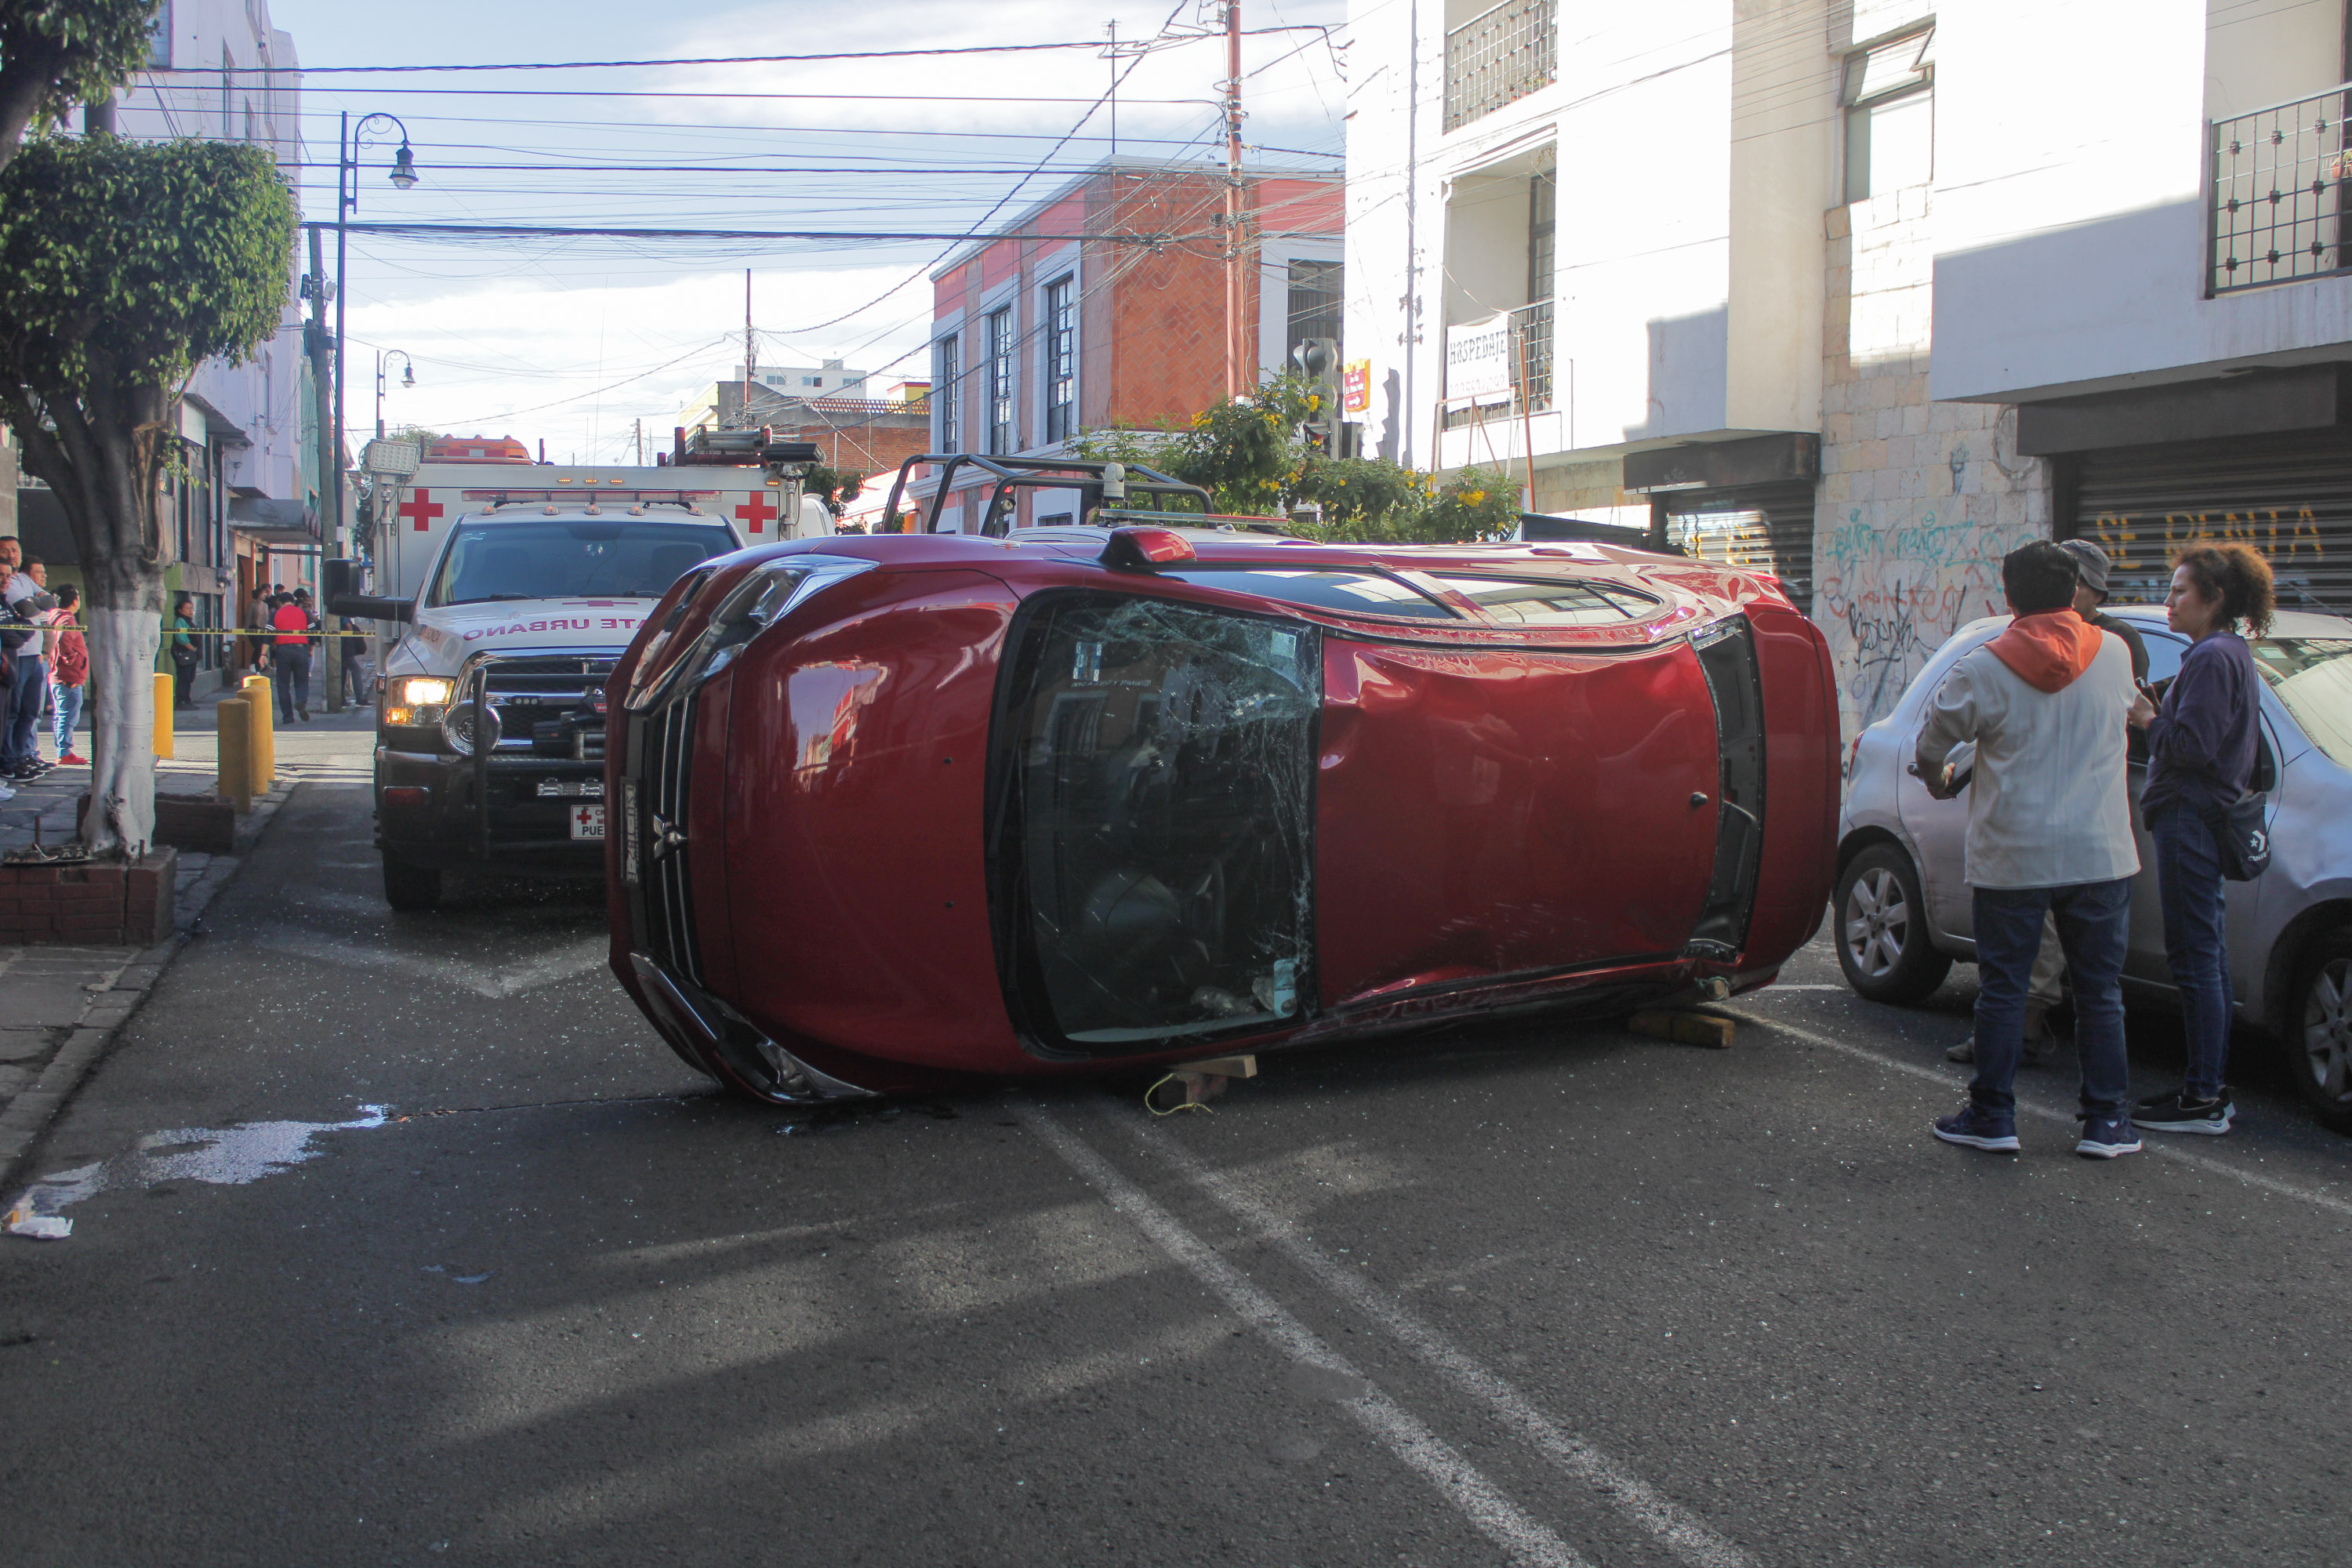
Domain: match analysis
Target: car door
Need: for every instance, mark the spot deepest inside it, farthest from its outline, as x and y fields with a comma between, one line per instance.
x=2143, y=957
x=1512, y=811
x=1938, y=830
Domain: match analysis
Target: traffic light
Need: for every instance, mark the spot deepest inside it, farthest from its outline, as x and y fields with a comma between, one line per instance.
x=1317, y=360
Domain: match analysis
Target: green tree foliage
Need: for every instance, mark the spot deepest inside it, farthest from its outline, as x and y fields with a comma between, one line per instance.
x=55, y=53
x=833, y=486
x=1248, y=454
x=123, y=265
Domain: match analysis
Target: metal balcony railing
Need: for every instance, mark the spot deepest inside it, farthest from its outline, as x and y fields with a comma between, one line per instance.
x=2276, y=209
x=1501, y=56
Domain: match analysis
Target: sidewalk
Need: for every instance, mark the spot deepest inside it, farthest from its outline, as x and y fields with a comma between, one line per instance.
x=59, y=1005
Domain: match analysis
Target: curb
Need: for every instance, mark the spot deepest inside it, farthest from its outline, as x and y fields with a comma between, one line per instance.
x=29, y=1114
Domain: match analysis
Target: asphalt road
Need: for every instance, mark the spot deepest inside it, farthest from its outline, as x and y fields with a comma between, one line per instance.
x=1523, y=1294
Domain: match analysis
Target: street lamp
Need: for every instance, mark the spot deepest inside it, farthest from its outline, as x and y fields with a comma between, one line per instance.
x=407, y=378
x=349, y=139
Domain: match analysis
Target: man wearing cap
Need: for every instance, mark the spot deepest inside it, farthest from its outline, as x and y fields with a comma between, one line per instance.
x=2046, y=991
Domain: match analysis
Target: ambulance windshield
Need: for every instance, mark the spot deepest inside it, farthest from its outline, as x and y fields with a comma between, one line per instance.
x=565, y=559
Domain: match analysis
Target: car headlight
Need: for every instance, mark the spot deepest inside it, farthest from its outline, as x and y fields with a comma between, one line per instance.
x=419, y=700
x=765, y=596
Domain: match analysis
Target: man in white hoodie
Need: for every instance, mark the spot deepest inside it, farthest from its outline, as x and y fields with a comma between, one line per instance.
x=2047, y=703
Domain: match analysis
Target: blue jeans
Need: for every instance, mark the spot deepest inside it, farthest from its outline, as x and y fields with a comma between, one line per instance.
x=2094, y=926
x=25, y=704
x=2196, y=947
x=67, y=700
x=290, y=664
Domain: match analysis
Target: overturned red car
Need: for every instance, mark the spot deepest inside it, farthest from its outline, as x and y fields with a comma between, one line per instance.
x=895, y=813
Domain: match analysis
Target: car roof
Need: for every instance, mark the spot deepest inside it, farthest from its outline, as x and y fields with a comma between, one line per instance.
x=2285, y=624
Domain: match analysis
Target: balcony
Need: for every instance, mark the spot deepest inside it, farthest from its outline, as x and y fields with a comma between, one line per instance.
x=1499, y=57
x=2276, y=212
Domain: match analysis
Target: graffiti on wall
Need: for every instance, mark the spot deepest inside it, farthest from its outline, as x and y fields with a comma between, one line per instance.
x=1890, y=591
x=2142, y=548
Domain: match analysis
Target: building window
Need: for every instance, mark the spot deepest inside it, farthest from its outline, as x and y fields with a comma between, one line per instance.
x=1002, y=436
x=1890, y=115
x=1061, y=360
x=946, y=400
x=1315, y=302
x=1543, y=219
x=228, y=81
x=159, y=38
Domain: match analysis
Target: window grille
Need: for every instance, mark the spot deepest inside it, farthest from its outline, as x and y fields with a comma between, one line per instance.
x=2275, y=206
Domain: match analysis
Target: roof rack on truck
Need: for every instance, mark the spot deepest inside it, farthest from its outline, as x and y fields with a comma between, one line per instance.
x=1100, y=485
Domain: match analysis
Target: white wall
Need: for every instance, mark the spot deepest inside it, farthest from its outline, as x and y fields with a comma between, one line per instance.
x=2071, y=238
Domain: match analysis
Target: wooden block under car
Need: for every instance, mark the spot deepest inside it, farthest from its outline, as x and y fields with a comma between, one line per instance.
x=1690, y=1029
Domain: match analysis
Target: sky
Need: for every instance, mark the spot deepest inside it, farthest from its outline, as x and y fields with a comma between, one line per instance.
x=574, y=341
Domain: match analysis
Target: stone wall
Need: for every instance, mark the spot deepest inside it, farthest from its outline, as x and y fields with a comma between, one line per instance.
x=1918, y=500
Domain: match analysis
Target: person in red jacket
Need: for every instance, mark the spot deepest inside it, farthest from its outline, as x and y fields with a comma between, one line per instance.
x=289, y=660
x=68, y=672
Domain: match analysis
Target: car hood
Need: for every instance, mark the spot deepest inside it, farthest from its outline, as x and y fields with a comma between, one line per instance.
x=442, y=639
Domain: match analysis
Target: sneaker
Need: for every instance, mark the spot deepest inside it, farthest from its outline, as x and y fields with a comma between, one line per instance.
x=74, y=760
x=2176, y=1112
x=2105, y=1137
x=306, y=714
x=1979, y=1129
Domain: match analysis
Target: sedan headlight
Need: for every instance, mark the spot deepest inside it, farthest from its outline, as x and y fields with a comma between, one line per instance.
x=765, y=596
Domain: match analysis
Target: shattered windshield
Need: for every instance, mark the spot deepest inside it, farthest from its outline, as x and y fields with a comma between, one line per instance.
x=1162, y=762
x=560, y=559
x=2314, y=679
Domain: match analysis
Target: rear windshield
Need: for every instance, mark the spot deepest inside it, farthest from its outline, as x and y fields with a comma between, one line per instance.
x=560, y=559
x=1342, y=592
x=1539, y=602
x=2313, y=678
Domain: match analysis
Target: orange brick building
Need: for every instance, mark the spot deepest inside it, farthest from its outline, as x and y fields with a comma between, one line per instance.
x=1068, y=322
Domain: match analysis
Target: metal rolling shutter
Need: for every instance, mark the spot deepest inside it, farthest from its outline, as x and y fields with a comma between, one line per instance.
x=1761, y=528
x=2290, y=497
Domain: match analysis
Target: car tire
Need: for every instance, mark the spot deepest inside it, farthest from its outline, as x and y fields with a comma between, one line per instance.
x=1880, y=923
x=409, y=888
x=2319, y=1029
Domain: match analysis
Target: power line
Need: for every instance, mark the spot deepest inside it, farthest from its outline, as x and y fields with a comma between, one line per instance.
x=539, y=231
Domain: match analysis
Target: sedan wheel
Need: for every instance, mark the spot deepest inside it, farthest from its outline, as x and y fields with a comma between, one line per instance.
x=1882, y=929
x=2323, y=1047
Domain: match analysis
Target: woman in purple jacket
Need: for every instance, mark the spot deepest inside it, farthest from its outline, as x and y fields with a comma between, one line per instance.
x=2200, y=749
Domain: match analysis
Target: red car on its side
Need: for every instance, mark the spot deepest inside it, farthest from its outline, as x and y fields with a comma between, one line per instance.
x=907, y=811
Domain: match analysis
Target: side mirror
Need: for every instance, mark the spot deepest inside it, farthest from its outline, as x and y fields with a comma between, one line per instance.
x=339, y=579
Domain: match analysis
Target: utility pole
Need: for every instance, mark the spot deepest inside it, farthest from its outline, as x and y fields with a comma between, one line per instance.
x=322, y=392
x=641, y=443
x=750, y=353
x=1234, y=381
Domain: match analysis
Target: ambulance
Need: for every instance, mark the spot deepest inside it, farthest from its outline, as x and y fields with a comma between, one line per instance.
x=502, y=592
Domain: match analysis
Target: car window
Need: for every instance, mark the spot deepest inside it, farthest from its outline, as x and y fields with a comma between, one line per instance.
x=2313, y=676
x=1345, y=592
x=2164, y=655
x=1550, y=601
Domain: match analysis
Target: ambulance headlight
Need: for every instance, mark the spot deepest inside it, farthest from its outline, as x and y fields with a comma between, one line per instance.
x=428, y=691
x=418, y=701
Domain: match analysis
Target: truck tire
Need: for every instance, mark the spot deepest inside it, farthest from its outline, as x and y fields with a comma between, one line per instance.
x=2319, y=1029
x=1880, y=921
x=410, y=887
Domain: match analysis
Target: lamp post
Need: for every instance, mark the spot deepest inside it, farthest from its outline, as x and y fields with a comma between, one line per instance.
x=349, y=139
x=407, y=378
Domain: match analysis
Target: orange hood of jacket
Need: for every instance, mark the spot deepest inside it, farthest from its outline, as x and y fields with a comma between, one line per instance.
x=2050, y=650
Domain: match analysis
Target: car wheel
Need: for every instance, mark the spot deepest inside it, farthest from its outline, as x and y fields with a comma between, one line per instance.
x=411, y=888
x=2319, y=1045
x=1882, y=929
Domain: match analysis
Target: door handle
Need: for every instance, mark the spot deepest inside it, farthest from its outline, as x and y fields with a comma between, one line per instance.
x=1698, y=798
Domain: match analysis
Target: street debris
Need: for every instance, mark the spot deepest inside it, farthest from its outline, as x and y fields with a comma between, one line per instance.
x=38, y=1227
x=224, y=1157
x=1690, y=1029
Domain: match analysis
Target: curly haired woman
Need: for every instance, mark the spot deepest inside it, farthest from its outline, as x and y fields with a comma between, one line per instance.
x=2201, y=746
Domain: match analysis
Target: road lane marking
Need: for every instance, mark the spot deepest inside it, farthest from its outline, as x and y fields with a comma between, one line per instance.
x=1498, y=1517
x=573, y=959
x=2165, y=1150
x=1673, y=1526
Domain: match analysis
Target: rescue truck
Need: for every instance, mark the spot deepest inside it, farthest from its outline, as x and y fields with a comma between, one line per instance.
x=503, y=591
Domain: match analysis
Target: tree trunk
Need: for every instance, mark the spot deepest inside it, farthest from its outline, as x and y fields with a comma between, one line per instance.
x=25, y=80
x=102, y=458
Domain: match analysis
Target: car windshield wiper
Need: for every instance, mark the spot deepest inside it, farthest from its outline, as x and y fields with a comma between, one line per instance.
x=492, y=598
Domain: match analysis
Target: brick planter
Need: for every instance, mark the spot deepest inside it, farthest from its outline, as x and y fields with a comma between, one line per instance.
x=93, y=904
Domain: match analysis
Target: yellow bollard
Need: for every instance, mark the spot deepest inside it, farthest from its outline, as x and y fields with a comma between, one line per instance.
x=235, y=715
x=164, y=718
x=264, y=734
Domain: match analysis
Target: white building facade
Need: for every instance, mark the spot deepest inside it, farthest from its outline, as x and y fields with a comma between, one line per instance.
x=1867, y=292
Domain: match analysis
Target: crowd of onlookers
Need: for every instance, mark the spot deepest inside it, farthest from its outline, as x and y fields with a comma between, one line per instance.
x=44, y=667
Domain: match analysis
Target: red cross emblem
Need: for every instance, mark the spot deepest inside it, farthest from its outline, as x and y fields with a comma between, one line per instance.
x=421, y=508
x=756, y=511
